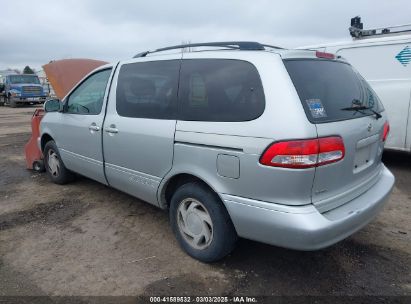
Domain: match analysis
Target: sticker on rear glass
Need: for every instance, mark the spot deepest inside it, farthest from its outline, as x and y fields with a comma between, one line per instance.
x=316, y=108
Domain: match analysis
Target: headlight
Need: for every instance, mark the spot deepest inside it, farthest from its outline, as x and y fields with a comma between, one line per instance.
x=15, y=93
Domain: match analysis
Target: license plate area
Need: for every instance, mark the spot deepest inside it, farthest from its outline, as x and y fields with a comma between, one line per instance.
x=366, y=153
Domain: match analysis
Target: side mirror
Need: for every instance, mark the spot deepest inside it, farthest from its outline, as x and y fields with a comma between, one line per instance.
x=53, y=105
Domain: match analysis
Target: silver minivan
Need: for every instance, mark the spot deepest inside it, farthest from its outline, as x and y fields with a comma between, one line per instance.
x=234, y=139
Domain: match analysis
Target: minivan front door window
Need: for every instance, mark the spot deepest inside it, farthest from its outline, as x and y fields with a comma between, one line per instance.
x=88, y=97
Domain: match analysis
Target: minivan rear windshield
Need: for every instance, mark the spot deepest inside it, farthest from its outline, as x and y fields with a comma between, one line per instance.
x=331, y=90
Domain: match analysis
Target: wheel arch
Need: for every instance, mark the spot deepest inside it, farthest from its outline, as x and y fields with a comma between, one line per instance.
x=170, y=184
x=45, y=138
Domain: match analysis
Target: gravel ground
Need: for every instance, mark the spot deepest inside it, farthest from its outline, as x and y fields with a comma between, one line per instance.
x=86, y=239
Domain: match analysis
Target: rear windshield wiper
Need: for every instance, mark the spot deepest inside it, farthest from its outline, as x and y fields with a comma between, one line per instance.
x=361, y=109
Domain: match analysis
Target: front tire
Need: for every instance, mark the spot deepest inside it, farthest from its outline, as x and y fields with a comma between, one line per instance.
x=12, y=102
x=201, y=223
x=55, y=168
x=38, y=166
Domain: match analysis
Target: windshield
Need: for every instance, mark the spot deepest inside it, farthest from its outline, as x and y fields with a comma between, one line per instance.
x=17, y=79
x=327, y=88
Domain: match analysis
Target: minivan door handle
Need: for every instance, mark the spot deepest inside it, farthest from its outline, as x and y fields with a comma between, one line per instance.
x=94, y=127
x=112, y=129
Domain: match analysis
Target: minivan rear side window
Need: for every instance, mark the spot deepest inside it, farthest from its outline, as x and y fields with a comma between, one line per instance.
x=148, y=89
x=220, y=90
x=331, y=90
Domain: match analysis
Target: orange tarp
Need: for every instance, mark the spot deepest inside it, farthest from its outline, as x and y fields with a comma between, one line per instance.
x=64, y=74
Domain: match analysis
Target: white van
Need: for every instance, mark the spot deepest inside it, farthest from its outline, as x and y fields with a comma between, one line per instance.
x=384, y=59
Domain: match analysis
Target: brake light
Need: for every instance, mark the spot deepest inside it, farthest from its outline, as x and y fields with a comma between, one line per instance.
x=319, y=54
x=386, y=131
x=300, y=154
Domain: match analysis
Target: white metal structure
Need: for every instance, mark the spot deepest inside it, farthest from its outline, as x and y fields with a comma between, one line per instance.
x=385, y=62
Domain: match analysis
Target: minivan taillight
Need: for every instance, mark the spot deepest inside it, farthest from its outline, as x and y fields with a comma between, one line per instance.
x=386, y=131
x=306, y=153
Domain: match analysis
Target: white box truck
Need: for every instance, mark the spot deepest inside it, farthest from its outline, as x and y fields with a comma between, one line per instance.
x=383, y=58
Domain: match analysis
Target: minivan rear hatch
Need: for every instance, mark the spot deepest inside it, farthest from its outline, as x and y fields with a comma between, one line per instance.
x=341, y=103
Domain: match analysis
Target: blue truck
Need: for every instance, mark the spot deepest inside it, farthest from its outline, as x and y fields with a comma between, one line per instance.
x=21, y=89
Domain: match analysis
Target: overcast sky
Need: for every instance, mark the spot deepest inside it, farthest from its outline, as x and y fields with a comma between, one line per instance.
x=35, y=32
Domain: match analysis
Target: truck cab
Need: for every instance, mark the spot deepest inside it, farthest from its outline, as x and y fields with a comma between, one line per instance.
x=23, y=89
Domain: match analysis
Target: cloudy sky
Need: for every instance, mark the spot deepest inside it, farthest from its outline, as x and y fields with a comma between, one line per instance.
x=35, y=32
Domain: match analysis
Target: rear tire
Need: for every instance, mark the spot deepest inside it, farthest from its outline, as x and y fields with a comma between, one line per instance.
x=55, y=168
x=201, y=223
x=12, y=103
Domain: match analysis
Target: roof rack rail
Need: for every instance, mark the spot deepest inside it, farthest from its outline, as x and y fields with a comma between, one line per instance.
x=236, y=45
x=357, y=29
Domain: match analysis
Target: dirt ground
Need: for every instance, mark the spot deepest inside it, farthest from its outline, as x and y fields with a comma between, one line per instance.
x=87, y=239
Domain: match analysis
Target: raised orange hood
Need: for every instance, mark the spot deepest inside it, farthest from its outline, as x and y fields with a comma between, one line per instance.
x=64, y=74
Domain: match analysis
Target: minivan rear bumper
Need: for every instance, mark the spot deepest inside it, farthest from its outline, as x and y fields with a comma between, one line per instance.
x=304, y=227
